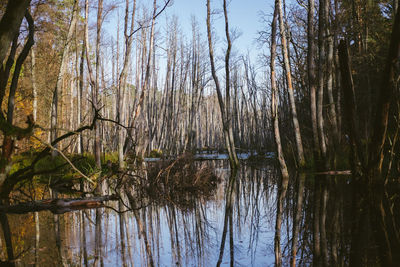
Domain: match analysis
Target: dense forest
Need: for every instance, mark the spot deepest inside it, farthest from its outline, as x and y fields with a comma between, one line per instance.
x=83, y=101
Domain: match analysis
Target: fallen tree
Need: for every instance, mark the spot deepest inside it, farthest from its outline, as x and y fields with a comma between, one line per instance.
x=58, y=205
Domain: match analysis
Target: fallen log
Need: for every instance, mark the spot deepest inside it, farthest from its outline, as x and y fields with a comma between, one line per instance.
x=57, y=205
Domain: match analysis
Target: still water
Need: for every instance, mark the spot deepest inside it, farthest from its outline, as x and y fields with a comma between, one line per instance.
x=232, y=226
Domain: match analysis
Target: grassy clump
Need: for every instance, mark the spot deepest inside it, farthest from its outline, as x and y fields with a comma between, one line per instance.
x=56, y=170
x=156, y=153
x=180, y=181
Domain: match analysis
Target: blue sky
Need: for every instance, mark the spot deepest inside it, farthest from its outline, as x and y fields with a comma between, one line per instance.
x=244, y=15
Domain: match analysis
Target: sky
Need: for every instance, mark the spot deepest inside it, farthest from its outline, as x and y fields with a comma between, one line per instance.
x=244, y=16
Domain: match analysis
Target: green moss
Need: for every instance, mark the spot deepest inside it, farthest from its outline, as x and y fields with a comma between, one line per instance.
x=20, y=161
x=57, y=168
x=155, y=153
x=110, y=157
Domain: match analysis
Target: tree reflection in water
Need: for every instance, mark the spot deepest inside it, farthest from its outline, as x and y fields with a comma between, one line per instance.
x=315, y=216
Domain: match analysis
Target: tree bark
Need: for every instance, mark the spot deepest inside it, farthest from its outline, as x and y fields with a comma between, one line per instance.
x=34, y=84
x=80, y=97
x=329, y=76
x=231, y=150
x=283, y=184
x=274, y=93
x=60, y=75
x=122, y=81
x=95, y=92
x=226, y=121
x=311, y=75
x=93, y=80
x=10, y=24
x=295, y=121
x=321, y=78
x=146, y=81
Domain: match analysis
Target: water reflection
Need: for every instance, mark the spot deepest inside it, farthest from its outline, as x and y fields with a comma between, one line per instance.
x=239, y=213
x=252, y=218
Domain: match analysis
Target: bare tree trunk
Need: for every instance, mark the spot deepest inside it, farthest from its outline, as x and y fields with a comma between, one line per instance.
x=329, y=73
x=61, y=71
x=78, y=91
x=122, y=80
x=231, y=150
x=94, y=80
x=311, y=75
x=337, y=71
x=80, y=94
x=285, y=52
x=95, y=92
x=282, y=187
x=274, y=92
x=226, y=121
x=321, y=78
x=144, y=87
x=34, y=84
x=71, y=101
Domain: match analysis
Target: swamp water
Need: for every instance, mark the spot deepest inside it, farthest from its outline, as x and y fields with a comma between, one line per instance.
x=234, y=226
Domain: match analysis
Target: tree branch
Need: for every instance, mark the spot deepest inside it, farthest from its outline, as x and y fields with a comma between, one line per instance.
x=66, y=159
